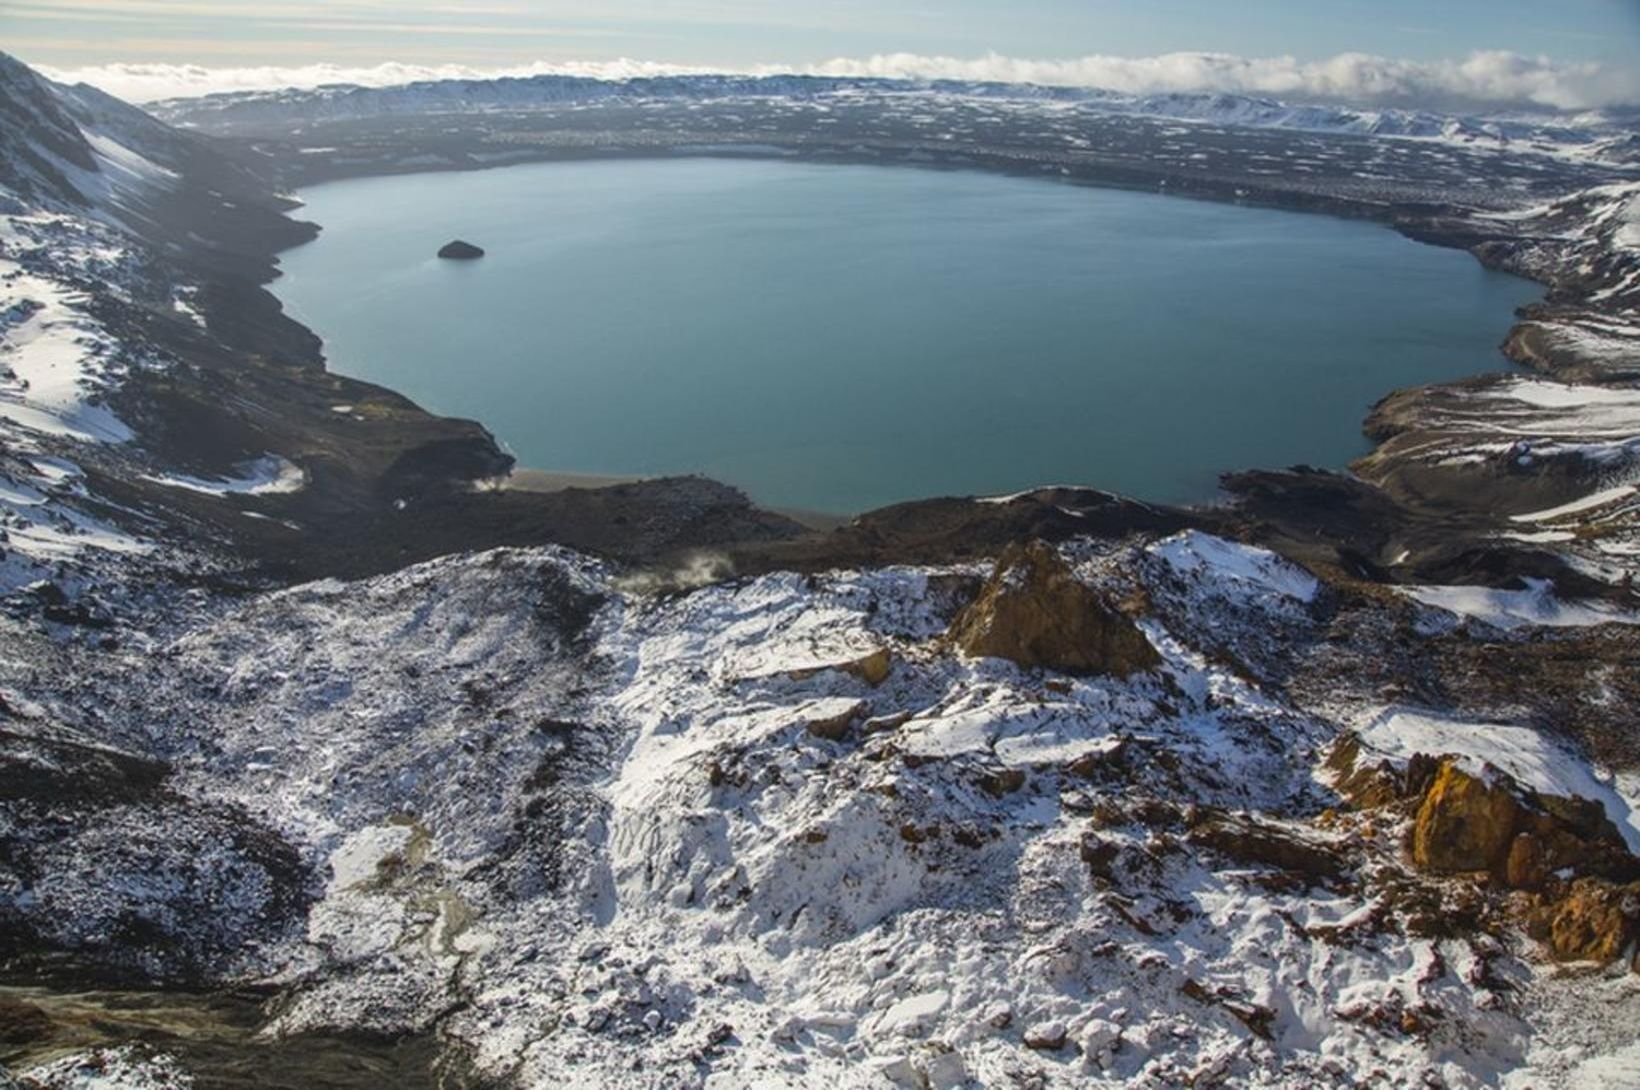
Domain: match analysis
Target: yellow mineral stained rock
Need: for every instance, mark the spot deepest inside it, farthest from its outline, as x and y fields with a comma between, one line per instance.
x=1466, y=823
x=1594, y=921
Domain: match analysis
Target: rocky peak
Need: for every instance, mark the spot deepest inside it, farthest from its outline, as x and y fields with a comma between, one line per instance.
x=1035, y=612
x=39, y=143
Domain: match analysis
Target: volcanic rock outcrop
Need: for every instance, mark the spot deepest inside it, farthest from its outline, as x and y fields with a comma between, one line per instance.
x=1487, y=822
x=460, y=250
x=1035, y=612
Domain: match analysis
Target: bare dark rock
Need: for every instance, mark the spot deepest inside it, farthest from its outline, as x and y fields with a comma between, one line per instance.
x=459, y=250
x=1245, y=839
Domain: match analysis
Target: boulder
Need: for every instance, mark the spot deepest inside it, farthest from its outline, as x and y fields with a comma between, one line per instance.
x=1465, y=822
x=1488, y=822
x=1527, y=864
x=834, y=727
x=1046, y=1036
x=1035, y=612
x=1244, y=839
x=872, y=668
x=942, y=1067
x=458, y=250
x=998, y=782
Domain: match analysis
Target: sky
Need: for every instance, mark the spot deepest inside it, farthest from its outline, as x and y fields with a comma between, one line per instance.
x=1594, y=43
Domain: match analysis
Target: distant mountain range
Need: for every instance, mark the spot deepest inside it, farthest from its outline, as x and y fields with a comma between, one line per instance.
x=1612, y=136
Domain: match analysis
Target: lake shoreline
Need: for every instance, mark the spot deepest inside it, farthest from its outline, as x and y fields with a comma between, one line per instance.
x=549, y=480
x=1027, y=356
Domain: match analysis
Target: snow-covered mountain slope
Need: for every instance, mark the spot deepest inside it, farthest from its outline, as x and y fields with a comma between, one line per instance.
x=60, y=242
x=1590, y=135
x=157, y=408
x=779, y=832
x=1559, y=453
x=112, y=225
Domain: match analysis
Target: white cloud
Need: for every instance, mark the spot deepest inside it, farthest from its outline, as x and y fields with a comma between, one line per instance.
x=1488, y=78
x=1492, y=77
x=151, y=82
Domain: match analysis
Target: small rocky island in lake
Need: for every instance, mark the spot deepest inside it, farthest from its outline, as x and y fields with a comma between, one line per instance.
x=459, y=250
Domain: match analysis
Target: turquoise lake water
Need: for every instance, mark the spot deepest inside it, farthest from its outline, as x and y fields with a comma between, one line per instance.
x=842, y=337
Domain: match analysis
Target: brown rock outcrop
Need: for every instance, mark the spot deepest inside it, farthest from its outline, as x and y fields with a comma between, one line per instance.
x=1035, y=612
x=1584, y=902
x=1491, y=823
x=1465, y=822
x=1594, y=921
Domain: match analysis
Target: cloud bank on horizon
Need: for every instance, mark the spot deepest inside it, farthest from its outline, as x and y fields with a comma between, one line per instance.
x=1485, y=78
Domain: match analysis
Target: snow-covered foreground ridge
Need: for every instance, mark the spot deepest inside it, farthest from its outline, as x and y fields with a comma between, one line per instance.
x=782, y=831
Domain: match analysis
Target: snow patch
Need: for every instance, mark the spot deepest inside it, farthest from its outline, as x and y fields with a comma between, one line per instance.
x=1254, y=570
x=1587, y=503
x=54, y=360
x=267, y=475
x=1535, y=604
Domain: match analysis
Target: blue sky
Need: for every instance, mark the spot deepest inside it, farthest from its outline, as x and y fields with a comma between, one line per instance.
x=739, y=32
